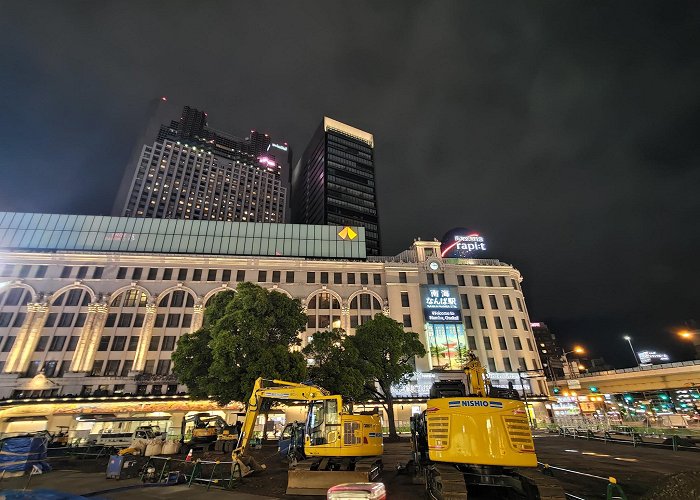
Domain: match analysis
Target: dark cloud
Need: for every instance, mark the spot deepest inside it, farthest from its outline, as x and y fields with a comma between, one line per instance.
x=564, y=131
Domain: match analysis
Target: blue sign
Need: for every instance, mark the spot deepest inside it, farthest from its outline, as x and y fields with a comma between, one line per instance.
x=441, y=304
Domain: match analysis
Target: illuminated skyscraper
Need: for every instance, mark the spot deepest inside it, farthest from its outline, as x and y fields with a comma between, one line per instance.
x=186, y=170
x=334, y=181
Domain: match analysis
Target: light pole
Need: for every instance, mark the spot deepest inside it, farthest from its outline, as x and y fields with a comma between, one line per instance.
x=629, y=339
x=577, y=350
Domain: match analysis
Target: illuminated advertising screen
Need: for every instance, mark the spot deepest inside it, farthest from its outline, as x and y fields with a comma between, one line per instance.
x=448, y=346
x=462, y=243
x=441, y=304
x=653, y=357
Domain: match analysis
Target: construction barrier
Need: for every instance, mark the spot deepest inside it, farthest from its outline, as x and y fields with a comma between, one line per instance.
x=207, y=473
x=613, y=489
x=631, y=435
x=22, y=454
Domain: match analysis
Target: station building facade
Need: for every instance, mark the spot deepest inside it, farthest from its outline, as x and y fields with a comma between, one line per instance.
x=91, y=307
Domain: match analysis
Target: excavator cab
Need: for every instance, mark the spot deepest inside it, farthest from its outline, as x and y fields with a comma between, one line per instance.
x=338, y=446
x=322, y=423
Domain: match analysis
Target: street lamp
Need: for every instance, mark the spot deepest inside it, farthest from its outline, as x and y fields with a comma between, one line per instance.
x=578, y=350
x=629, y=339
x=686, y=334
x=694, y=336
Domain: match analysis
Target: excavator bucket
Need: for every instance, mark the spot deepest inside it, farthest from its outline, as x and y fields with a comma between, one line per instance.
x=302, y=480
x=317, y=482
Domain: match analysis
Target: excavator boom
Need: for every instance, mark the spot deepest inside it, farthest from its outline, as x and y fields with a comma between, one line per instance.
x=279, y=389
x=342, y=447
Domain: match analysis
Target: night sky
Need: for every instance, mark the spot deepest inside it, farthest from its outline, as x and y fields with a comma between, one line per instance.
x=567, y=133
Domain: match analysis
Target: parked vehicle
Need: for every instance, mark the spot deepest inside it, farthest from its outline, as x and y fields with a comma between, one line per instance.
x=120, y=439
x=290, y=445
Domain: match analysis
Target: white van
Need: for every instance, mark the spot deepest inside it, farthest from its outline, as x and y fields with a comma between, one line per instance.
x=121, y=439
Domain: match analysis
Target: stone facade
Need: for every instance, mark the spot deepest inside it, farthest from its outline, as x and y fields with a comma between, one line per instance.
x=107, y=323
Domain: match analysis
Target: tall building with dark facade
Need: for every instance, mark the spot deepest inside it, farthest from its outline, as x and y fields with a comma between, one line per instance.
x=549, y=350
x=184, y=169
x=334, y=182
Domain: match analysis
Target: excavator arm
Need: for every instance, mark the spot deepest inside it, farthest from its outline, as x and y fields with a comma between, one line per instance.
x=277, y=389
x=476, y=375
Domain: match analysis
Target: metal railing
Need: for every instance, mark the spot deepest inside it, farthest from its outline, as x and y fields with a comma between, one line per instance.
x=208, y=473
x=632, y=435
x=613, y=489
x=678, y=364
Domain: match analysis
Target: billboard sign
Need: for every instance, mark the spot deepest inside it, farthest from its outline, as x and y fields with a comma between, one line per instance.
x=462, y=243
x=441, y=304
x=652, y=357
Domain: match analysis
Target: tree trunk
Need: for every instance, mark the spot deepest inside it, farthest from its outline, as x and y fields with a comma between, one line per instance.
x=390, y=412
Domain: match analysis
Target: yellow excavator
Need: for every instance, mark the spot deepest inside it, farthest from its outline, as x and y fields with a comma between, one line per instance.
x=340, y=446
x=476, y=442
x=204, y=428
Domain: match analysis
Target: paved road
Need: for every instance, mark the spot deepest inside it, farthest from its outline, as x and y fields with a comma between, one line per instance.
x=636, y=469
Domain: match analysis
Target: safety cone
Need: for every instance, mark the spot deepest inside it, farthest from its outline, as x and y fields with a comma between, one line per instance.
x=188, y=458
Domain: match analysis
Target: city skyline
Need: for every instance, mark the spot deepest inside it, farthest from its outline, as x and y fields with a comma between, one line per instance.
x=189, y=170
x=544, y=130
x=334, y=181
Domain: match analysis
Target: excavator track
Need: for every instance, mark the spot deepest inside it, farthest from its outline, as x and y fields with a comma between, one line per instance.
x=445, y=482
x=547, y=487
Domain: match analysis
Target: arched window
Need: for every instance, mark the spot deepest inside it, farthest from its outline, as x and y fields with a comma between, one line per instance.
x=59, y=337
x=120, y=338
x=130, y=298
x=177, y=298
x=13, y=313
x=363, y=307
x=173, y=319
x=323, y=312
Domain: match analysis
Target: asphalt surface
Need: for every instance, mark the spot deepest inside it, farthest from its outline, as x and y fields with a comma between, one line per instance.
x=637, y=470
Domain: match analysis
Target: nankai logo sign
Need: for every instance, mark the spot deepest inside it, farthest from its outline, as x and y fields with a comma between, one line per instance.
x=460, y=243
x=440, y=304
x=347, y=233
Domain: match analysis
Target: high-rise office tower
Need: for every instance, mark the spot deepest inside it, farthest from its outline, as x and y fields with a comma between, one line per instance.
x=549, y=350
x=186, y=170
x=334, y=182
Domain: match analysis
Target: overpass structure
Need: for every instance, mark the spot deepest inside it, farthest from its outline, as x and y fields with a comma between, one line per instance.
x=644, y=392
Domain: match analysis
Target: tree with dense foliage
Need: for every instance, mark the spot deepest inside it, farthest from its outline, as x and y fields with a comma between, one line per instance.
x=245, y=335
x=335, y=365
x=365, y=365
x=386, y=355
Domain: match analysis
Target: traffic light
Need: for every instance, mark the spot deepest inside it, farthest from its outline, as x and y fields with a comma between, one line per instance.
x=555, y=390
x=593, y=388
